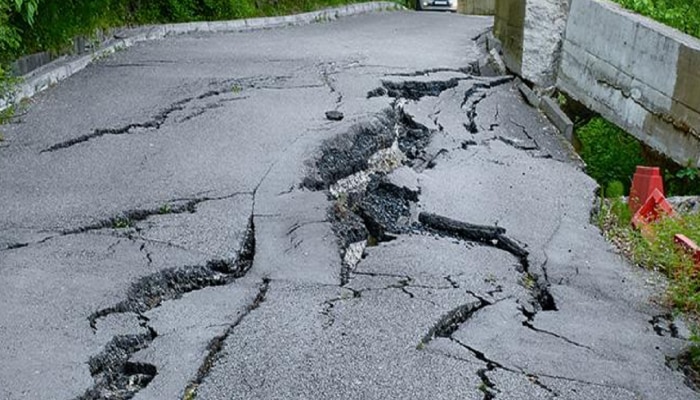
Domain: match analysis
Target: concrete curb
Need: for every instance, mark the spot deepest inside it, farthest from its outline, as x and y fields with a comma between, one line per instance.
x=62, y=68
x=551, y=109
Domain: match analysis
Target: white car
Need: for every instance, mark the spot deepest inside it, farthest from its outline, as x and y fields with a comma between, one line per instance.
x=437, y=5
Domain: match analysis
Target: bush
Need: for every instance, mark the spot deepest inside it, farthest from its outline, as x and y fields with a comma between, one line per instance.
x=609, y=152
x=683, y=15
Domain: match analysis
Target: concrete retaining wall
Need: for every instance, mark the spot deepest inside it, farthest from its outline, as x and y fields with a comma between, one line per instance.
x=637, y=73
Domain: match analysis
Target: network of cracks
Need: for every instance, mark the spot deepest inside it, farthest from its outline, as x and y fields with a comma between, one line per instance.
x=366, y=209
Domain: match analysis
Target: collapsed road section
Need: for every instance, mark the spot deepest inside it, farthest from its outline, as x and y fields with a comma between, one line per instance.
x=373, y=205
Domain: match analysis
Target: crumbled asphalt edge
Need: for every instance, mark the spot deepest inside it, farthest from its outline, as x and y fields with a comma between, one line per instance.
x=414, y=90
x=217, y=343
x=192, y=107
x=374, y=213
x=115, y=377
x=683, y=363
x=471, y=69
x=664, y=325
x=349, y=153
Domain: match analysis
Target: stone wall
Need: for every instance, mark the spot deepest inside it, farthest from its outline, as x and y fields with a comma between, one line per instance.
x=637, y=73
x=531, y=32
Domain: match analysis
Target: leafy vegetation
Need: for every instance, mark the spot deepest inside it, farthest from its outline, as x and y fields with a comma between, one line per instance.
x=611, y=155
x=29, y=26
x=683, y=15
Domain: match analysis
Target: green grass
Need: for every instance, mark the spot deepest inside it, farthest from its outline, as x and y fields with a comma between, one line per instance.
x=683, y=15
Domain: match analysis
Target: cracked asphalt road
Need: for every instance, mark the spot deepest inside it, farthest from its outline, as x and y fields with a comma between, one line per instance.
x=167, y=230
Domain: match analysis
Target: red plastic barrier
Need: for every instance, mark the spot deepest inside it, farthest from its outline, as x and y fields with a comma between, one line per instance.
x=650, y=211
x=644, y=182
x=688, y=246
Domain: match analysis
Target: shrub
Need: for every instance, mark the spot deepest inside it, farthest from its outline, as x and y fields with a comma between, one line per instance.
x=610, y=153
x=683, y=15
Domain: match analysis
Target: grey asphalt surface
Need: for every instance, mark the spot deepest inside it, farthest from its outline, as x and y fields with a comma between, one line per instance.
x=157, y=158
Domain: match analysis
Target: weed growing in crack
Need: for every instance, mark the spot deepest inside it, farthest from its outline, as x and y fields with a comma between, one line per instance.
x=121, y=223
x=484, y=388
x=165, y=209
x=528, y=281
x=190, y=393
x=236, y=89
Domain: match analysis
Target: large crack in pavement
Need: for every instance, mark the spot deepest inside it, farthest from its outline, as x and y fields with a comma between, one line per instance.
x=125, y=222
x=128, y=218
x=151, y=290
x=115, y=376
x=224, y=92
